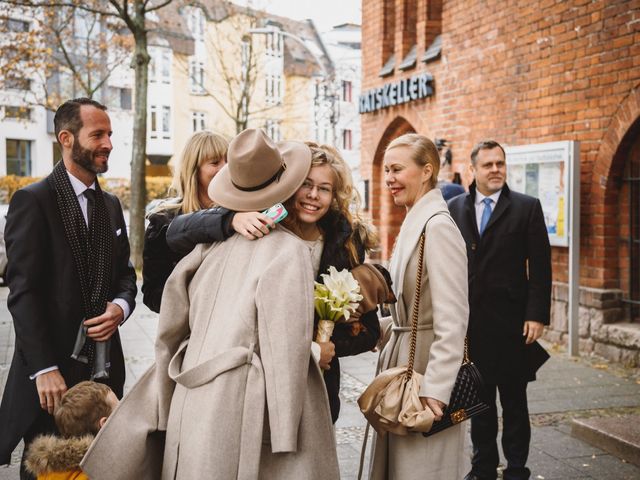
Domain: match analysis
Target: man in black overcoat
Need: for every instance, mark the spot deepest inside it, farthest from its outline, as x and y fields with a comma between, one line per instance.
x=509, y=298
x=71, y=284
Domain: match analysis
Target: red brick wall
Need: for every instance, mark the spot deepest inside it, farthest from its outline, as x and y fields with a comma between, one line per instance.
x=520, y=72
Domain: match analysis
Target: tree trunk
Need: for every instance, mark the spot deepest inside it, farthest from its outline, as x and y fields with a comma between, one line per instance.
x=138, y=174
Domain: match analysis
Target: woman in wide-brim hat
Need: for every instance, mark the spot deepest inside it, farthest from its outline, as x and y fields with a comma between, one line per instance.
x=234, y=386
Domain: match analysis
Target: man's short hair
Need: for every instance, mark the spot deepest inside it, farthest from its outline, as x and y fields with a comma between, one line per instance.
x=81, y=408
x=67, y=115
x=485, y=145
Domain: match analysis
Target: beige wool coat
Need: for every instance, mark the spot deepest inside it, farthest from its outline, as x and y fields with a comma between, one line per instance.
x=234, y=385
x=442, y=326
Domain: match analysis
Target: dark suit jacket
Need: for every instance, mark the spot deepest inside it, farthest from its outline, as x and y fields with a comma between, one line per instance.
x=46, y=305
x=509, y=280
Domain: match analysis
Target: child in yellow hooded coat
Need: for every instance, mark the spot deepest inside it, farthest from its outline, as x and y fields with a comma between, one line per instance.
x=82, y=411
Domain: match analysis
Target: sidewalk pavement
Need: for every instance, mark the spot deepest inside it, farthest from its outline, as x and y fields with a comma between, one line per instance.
x=566, y=388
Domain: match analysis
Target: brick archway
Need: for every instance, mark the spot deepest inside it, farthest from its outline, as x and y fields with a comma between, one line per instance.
x=600, y=216
x=386, y=216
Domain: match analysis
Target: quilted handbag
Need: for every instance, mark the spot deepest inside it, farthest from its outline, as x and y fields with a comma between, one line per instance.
x=467, y=397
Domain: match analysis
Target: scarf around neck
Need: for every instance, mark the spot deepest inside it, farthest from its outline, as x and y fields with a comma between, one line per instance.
x=91, y=248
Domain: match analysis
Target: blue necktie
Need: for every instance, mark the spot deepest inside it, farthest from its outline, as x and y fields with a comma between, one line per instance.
x=486, y=214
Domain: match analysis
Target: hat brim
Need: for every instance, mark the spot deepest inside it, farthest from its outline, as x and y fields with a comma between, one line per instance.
x=297, y=157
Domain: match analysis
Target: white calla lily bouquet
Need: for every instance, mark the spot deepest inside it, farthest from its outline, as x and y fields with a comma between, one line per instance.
x=335, y=300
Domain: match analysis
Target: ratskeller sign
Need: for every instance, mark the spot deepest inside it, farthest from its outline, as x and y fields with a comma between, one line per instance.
x=396, y=93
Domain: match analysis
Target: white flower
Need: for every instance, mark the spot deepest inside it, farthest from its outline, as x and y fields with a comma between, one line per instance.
x=338, y=297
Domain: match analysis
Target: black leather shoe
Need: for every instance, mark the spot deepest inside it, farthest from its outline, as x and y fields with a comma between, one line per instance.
x=473, y=476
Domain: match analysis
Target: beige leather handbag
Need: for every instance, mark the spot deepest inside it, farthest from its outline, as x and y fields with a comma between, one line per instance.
x=391, y=403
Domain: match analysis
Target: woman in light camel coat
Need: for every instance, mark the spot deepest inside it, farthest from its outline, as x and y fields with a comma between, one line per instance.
x=411, y=166
x=234, y=389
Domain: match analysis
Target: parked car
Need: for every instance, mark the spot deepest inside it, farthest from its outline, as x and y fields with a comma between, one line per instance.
x=3, y=248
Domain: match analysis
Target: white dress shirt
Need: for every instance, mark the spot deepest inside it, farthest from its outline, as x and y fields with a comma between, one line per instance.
x=481, y=206
x=79, y=188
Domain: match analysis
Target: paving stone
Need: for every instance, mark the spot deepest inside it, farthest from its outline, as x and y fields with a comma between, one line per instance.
x=605, y=467
x=565, y=388
x=545, y=466
x=619, y=436
x=561, y=445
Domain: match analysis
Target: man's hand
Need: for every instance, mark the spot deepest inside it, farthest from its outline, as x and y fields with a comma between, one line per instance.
x=532, y=330
x=436, y=406
x=327, y=352
x=102, y=327
x=252, y=225
x=51, y=387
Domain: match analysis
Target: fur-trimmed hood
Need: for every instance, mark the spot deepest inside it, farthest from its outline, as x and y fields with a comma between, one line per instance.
x=49, y=453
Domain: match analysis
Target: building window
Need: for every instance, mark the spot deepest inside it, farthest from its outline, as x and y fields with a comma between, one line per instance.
x=272, y=128
x=275, y=44
x=346, y=140
x=153, y=121
x=17, y=83
x=196, y=76
x=198, y=121
x=125, y=98
x=152, y=66
x=273, y=89
x=159, y=122
x=160, y=65
x=196, y=22
x=166, y=118
x=19, y=157
x=166, y=65
x=18, y=113
x=120, y=98
x=346, y=91
x=15, y=25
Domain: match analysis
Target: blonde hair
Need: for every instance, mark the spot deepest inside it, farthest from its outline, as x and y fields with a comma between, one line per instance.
x=345, y=198
x=423, y=151
x=200, y=148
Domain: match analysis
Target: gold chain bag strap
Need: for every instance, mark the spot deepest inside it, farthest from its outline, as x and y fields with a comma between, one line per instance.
x=391, y=403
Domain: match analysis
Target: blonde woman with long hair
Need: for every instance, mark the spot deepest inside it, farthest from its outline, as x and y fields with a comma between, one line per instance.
x=202, y=158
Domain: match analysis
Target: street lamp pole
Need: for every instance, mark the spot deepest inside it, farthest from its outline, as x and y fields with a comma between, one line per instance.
x=328, y=77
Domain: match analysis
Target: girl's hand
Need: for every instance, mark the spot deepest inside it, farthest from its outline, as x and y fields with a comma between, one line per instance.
x=436, y=406
x=252, y=225
x=327, y=352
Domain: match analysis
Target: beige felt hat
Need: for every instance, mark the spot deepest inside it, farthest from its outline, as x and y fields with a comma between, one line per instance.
x=259, y=172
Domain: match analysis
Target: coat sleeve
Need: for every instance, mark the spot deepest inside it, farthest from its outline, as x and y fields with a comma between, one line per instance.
x=445, y=259
x=125, y=287
x=173, y=328
x=26, y=240
x=284, y=301
x=366, y=339
x=157, y=261
x=539, y=256
x=203, y=226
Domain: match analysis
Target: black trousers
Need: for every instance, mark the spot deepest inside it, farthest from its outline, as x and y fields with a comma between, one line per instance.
x=516, y=433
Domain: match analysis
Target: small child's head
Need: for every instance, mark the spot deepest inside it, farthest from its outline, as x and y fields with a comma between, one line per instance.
x=84, y=409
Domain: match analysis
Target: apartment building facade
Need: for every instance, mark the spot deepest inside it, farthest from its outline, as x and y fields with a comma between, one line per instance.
x=214, y=65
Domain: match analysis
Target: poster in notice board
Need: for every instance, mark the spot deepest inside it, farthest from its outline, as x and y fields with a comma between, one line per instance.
x=542, y=171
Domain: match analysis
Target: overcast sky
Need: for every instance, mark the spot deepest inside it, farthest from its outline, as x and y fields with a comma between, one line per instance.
x=324, y=13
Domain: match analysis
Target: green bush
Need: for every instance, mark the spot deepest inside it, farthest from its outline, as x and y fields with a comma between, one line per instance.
x=157, y=187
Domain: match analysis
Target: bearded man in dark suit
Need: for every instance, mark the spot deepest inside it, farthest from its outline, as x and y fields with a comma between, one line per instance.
x=509, y=299
x=70, y=280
